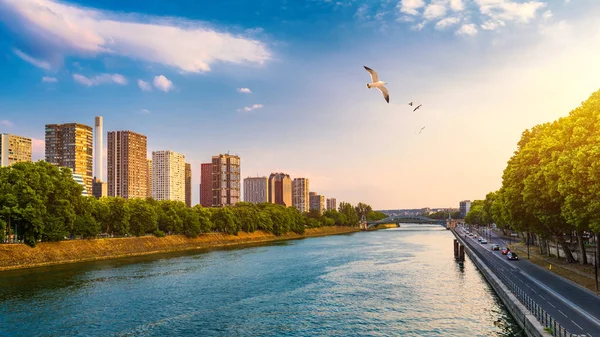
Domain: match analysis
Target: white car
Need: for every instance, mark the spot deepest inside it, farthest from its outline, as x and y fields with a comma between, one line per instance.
x=483, y=241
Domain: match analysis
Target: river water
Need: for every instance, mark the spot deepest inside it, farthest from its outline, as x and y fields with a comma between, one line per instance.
x=396, y=282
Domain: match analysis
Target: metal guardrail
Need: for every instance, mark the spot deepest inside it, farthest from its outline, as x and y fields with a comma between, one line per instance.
x=540, y=314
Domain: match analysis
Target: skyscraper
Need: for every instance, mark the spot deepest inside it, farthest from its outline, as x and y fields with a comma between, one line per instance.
x=256, y=189
x=465, y=207
x=280, y=189
x=168, y=175
x=14, y=149
x=149, y=178
x=127, y=165
x=71, y=145
x=317, y=202
x=300, y=194
x=226, y=180
x=98, y=153
x=206, y=182
x=188, y=184
x=331, y=204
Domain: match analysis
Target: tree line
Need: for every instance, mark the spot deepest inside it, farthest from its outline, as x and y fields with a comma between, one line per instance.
x=551, y=185
x=42, y=202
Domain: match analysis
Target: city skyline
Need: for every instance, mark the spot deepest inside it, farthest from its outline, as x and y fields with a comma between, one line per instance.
x=504, y=70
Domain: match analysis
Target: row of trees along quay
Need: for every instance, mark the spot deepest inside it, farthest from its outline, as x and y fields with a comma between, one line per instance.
x=551, y=186
x=41, y=202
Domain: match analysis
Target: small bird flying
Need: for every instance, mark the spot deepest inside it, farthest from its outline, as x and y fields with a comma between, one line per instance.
x=421, y=130
x=410, y=103
x=417, y=107
x=376, y=83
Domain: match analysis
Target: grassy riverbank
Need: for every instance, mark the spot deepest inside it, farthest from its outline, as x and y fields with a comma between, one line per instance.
x=17, y=256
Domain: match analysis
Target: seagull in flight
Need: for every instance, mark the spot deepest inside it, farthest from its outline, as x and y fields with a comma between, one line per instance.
x=410, y=103
x=421, y=130
x=417, y=107
x=376, y=83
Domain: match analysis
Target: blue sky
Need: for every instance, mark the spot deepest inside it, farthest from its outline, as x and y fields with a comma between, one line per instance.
x=176, y=70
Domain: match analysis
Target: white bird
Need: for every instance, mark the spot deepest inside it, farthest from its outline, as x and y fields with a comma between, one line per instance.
x=421, y=129
x=376, y=83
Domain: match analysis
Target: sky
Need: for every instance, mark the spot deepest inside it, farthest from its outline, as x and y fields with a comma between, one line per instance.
x=281, y=83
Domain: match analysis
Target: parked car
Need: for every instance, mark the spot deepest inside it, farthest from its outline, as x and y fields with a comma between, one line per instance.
x=483, y=241
x=512, y=256
x=505, y=251
x=495, y=247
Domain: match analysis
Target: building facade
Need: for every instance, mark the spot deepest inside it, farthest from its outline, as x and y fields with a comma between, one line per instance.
x=98, y=144
x=464, y=207
x=331, y=204
x=71, y=145
x=168, y=175
x=317, y=202
x=127, y=165
x=280, y=189
x=99, y=188
x=188, y=184
x=256, y=189
x=206, y=177
x=226, y=182
x=301, y=194
x=148, y=178
x=79, y=179
x=14, y=149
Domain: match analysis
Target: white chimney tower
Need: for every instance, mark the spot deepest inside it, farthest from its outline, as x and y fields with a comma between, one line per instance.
x=98, y=153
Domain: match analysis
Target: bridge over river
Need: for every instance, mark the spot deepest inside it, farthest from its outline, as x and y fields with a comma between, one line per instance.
x=412, y=219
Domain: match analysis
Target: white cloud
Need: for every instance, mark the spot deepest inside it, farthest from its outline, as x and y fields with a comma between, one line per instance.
x=244, y=90
x=145, y=111
x=508, y=10
x=250, y=108
x=467, y=29
x=457, y=5
x=145, y=86
x=6, y=123
x=38, y=63
x=100, y=79
x=492, y=24
x=64, y=29
x=434, y=11
x=405, y=18
x=447, y=22
x=48, y=79
x=163, y=83
x=547, y=15
x=411, y=6
x=418, y=26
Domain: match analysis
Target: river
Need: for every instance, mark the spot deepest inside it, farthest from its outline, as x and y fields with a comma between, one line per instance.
x=395, y=282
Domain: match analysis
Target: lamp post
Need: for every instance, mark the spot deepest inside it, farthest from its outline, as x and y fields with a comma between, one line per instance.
x=596, y=262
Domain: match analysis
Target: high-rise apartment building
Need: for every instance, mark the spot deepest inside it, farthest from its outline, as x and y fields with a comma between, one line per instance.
x=99, y=188
x=71, y=145
x=300, y=194
x=98, y=153
x=188, y=184
x=14, y=149
x=168, y=175
x=256, y=189
x=317, y=202
x=331, y=204
x=280, y=189
x=127, y=165
x=79, y=179
x=149, y=178
x=465, y=207
x=226, y=180
x=206, y=182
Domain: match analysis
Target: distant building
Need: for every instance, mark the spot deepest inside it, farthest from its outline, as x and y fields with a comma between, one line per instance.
x=226, y=180
x=168, y=175
x=331, y=204
x=148, y=178
x=71, y=145
x=99, y=188
x=206, y=176
x=14, y=149
x=188, y=184
x=465, y=206
x=317, y=202
x=127, y=165
x=280, y=189
x=300, y=194
x=98, y=152
x=79, y=179
x=256, y=189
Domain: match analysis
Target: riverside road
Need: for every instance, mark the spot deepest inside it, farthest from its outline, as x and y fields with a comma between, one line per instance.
x=575, y=308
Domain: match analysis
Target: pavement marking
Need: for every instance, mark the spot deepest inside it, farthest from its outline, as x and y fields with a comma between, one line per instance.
x=577, y=325
x=589, y=335
x=552, y=305
x=542, y=297
x=562, y=313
